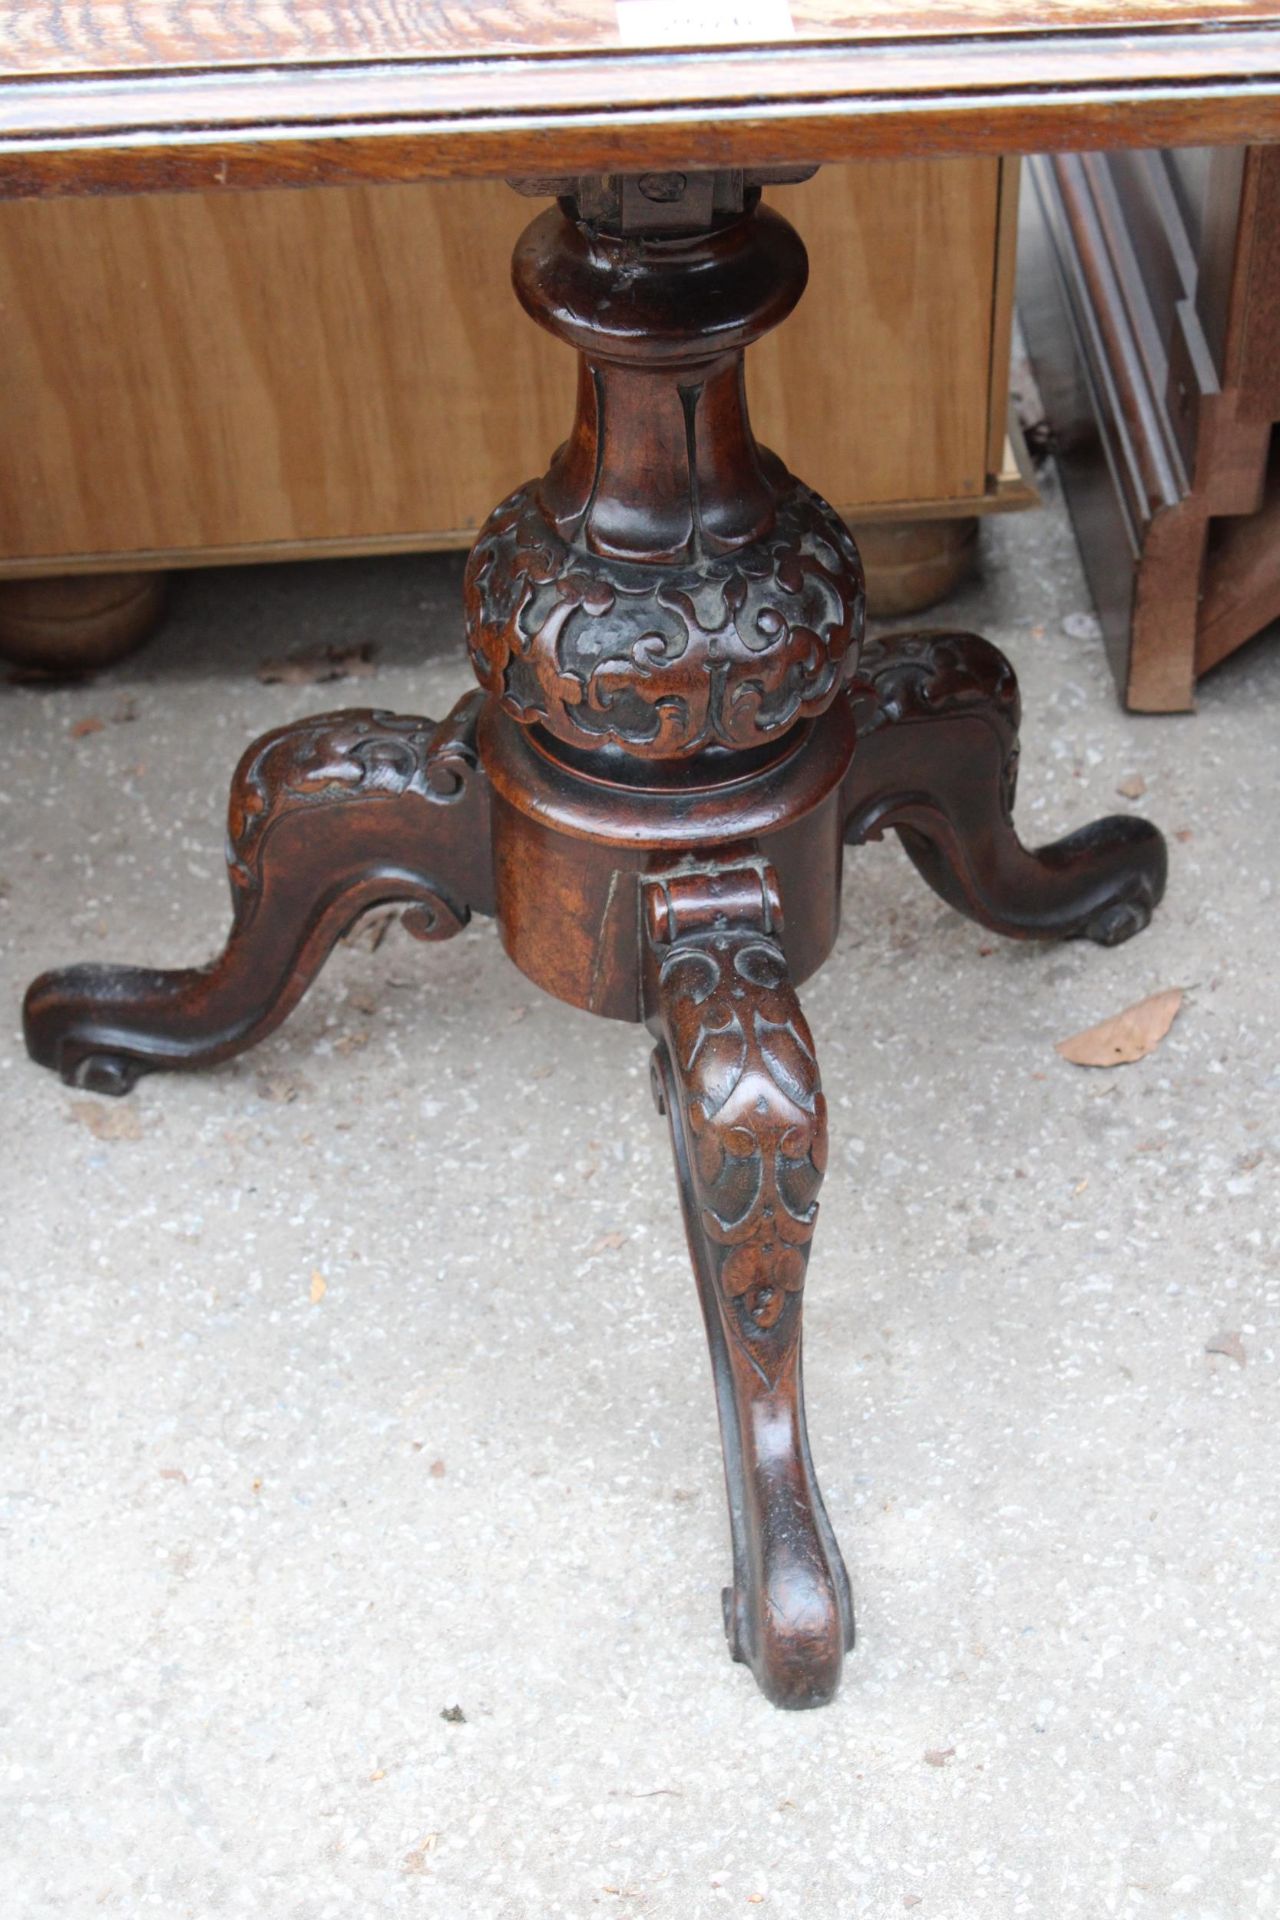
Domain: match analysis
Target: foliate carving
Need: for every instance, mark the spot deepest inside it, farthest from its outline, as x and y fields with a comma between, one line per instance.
x=743, y=1070
x=728, y=650
x=908, y=677
x=336, y=756
x=329, y=817
x=735, y=1070
x=911, y=676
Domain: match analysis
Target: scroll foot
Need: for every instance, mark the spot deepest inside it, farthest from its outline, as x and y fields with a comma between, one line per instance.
x=328, y=817
x=937, y=760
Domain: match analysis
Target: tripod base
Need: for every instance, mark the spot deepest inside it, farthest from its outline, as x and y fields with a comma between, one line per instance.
x=694, y=904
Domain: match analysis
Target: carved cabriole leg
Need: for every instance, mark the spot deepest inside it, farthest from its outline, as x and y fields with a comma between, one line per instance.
x=937, y=758
x=735, y=1072
x=328, y=817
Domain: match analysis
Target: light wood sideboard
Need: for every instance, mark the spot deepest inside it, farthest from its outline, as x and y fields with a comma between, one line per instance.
x=203, y=378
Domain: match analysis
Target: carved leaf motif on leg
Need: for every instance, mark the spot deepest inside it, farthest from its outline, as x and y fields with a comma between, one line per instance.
x=736, y=1071
x=757, y=1124
x=341, y=755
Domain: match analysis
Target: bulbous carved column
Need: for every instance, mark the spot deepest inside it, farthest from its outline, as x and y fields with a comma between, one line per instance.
x=667, y=586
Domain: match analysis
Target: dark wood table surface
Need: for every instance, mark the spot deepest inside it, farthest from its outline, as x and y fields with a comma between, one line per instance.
x=123, y=95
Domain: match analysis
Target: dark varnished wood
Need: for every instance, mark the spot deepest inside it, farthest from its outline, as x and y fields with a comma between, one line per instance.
x=163, y=96
x=736, y=1074
x=937, y=716
x=655, y=814
x=590, y=844
x=667, y=586
x=328, y=817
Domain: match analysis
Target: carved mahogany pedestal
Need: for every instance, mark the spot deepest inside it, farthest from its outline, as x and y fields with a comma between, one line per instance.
x=679, y=732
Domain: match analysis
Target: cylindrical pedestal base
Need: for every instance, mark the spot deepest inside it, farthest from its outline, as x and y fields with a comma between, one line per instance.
x=571, y=853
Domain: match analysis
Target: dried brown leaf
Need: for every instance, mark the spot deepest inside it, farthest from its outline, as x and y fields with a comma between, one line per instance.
x=1229, y=1344
x=1126, y=1036
x=314, y=669
x=108, y=1122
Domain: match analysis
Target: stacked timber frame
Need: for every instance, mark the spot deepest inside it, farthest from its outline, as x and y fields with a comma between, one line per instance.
x=1149, y=288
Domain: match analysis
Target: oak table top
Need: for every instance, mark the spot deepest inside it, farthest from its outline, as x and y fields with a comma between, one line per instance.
x=159, y=95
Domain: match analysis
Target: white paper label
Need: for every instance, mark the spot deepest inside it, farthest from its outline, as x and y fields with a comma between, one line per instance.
x=702, y=23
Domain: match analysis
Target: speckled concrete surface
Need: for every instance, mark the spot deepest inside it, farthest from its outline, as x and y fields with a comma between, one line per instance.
x=258, y=1542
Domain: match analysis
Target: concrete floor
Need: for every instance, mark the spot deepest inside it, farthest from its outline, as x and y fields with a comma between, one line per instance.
x=260, y=1543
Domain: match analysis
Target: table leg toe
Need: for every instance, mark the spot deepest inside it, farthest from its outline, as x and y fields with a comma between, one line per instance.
x=937, y=761
x=328, y=818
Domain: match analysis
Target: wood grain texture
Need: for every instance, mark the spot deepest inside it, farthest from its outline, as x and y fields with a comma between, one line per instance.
x=1241, y=584
x=71, y=36
x=204, y=372
x=1160, y=384
x=1004, y=287
x=163, y=96
x=194, y=377
x=80, y=623
x=841, y=390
